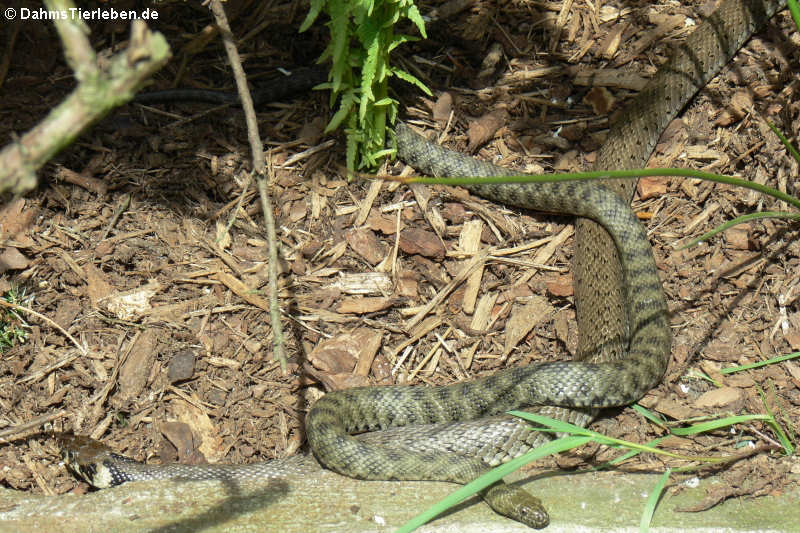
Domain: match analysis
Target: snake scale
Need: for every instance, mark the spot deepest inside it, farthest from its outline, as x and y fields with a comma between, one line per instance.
x=622, y=314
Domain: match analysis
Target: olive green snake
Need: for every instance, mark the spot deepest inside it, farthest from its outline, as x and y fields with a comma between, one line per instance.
x=622, y=315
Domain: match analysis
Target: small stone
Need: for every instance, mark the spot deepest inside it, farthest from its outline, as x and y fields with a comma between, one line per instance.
x=181, y=366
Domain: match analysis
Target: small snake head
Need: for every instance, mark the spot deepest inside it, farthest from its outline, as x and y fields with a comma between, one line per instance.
x=84, y=456
x=533, y=516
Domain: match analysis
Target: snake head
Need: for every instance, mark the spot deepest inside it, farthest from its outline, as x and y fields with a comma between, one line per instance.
x=533, y=515
x=84, y=456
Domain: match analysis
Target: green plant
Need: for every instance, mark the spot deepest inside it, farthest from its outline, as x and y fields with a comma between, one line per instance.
x=362, y=37
x=13, y=329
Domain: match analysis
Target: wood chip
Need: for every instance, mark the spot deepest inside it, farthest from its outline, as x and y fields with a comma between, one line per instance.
x=365, y=243
x=561, y=286
x=370, y=344
x=129, y=305
x=559, y=24
x=364, y=305
x=665, y=25
x=721, y=397
x=422, y=242
x=366, y=204
x=97, y=286
x=469, y=240
x=476, y=262
x=135, y=370
x=363, y=283
x=622, y=78
x=12, y=259
x=442, y=108
x=651, y=188
x=739, y=237
x=547, y=251
x=609, y=46
x=242, y=291
x=523, y=319
x=483, y=129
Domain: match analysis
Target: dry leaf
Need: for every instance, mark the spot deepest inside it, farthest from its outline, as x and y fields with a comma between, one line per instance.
x=15, y=220
x=211, y=444
x=384, y=223
x=12, y=259
x=600, y=99
x=482, y=130
x=311, y=132
x=523, y=319
x=179, y=434
x=442, y=108
x=340, y=354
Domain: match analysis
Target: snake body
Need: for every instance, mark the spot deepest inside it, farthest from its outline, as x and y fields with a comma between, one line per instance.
x=566, y=384
x=622, y=313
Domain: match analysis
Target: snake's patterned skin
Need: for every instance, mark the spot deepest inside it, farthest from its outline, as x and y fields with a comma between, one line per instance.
x=600, y=305
x=625, y=338
x=565, y=384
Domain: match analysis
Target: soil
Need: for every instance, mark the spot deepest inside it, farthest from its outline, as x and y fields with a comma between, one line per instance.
x=124, y=243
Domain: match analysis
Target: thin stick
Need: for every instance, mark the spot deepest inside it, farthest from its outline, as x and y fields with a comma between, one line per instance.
x=274, y=308
x=7, y=434
x=121, y=208
x=256, y=147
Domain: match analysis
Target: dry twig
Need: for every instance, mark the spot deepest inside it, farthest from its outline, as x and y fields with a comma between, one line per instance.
x=99, y=91
x=259, y=167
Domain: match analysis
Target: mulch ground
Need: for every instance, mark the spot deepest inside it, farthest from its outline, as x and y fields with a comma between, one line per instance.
x=124, y=243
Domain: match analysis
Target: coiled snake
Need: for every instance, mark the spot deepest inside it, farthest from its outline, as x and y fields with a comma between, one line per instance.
x=622, y=315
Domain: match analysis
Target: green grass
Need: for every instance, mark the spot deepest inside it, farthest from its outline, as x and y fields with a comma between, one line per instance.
x=13, y=329
x=578, y=436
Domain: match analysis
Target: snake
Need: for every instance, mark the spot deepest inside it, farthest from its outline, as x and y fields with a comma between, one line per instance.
x=457, y=432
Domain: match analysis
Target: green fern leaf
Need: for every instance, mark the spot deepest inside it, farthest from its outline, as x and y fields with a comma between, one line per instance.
x=313, y=13
x=410, y=78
